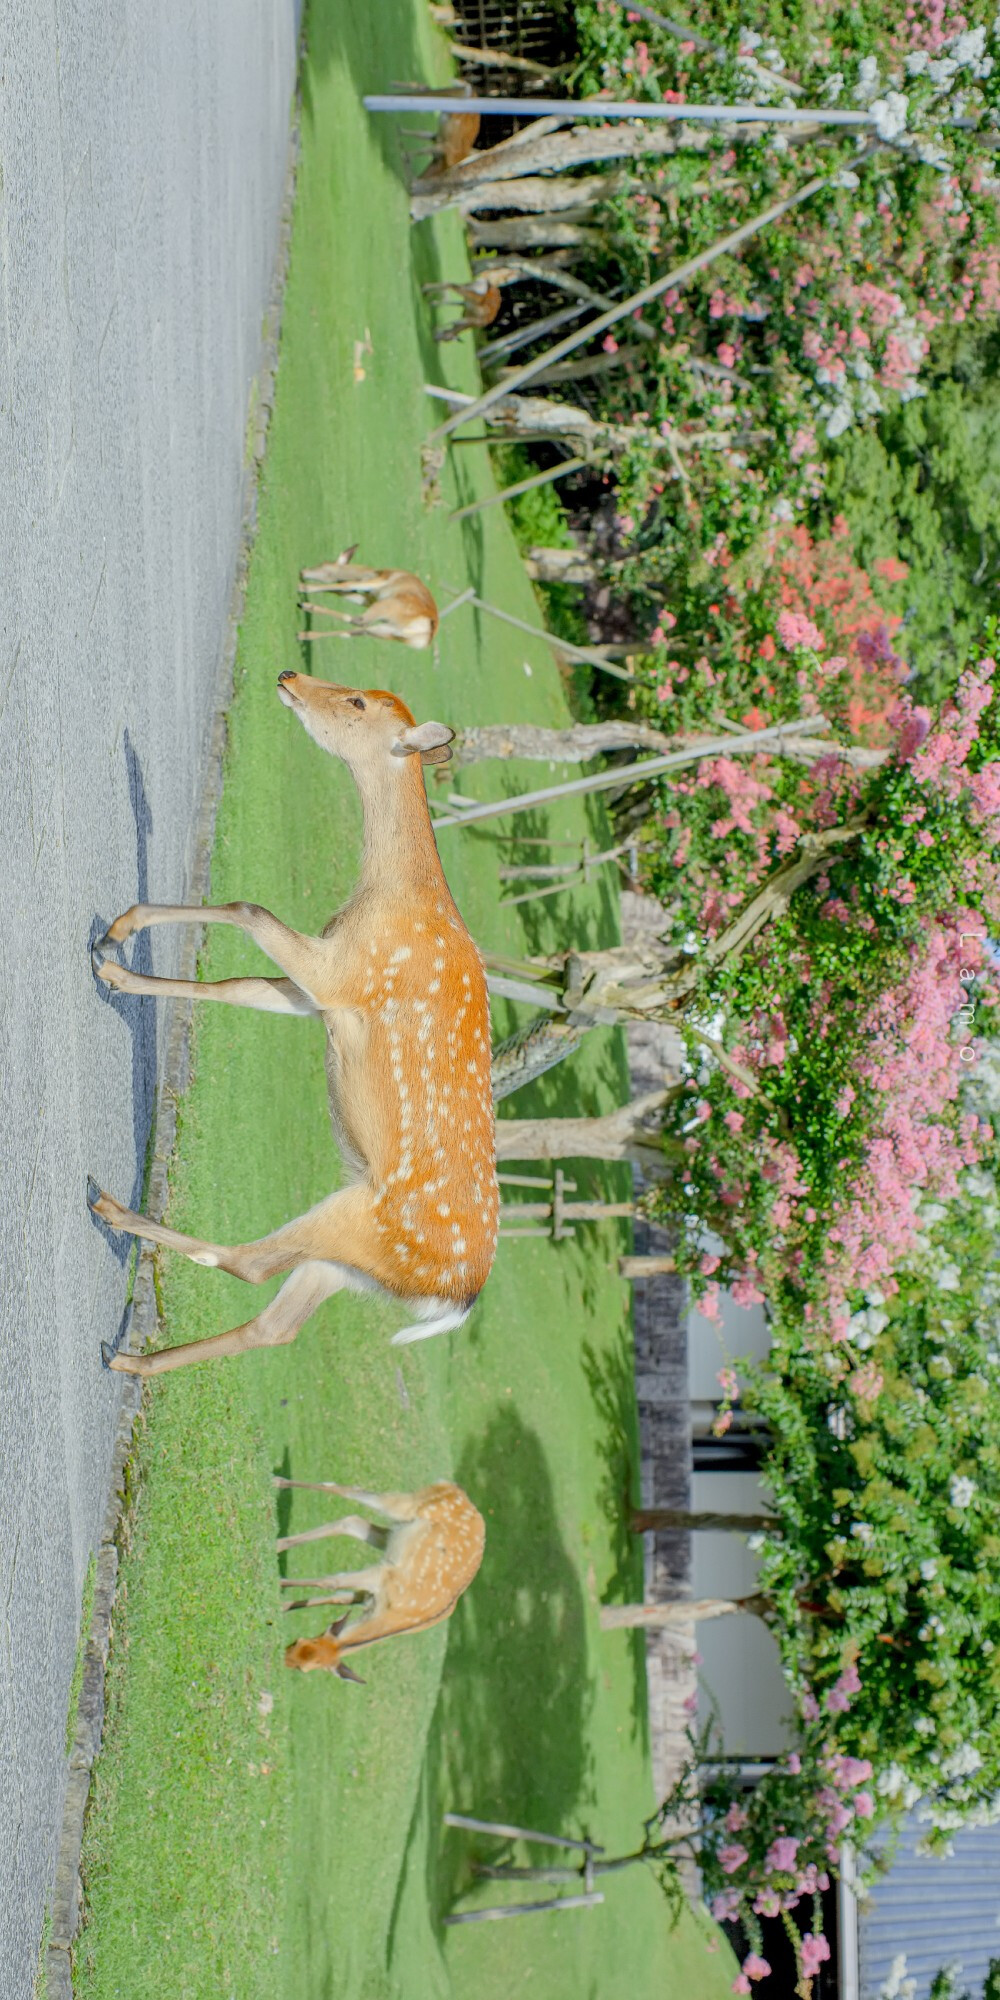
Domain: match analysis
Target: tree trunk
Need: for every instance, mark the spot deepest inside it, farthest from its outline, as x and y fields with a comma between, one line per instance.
x=646, y=1267
x=556, y=746
x=662, y=1520
x=592, y=364
x=530, y=1052
x=534, y=232
x=624, y=1134
x=561, y=566
x=518, y=416
x=683, y=1611
x=536, y=194
x=545, y=153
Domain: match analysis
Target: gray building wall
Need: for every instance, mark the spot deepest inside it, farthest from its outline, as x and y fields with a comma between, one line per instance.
x=934, y=1913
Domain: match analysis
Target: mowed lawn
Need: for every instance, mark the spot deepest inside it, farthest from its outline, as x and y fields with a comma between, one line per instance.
x=254, y=1832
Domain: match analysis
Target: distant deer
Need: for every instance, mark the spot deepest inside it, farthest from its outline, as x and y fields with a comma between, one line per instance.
x=430, y=1555
x=483, y=300
x=399, y=606
x=454, y=139
x=401, y=989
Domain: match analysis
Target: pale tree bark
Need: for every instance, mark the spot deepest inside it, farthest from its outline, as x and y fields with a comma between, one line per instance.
x=682, y=1611
x=536, y=194
x=625, y=1134
x=592, y=364
x=560, y=746
x=585, y=740
x=561, y=566
x=536, y=232
x=541, y=152
x=646, y=1267
x=519, y=416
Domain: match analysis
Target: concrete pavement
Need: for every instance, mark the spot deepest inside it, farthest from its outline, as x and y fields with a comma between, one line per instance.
x=143, y=152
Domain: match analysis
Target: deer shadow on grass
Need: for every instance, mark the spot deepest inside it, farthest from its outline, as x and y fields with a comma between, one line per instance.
x=138, y=1012
x=509, y=1735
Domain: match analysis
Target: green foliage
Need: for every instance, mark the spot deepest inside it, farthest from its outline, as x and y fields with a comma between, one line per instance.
x=924, y=488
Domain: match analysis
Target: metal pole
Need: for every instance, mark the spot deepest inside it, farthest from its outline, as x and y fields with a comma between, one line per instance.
x=528, y=1833
x=598, y=108
x=526, y=1909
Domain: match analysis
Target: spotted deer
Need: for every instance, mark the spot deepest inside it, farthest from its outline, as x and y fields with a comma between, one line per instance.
x=401, y=990
x=482, y=301
x=397, y=604
x=429, y=1555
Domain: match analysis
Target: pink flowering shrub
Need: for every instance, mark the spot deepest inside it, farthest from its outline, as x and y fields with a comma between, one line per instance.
x=840, y=1098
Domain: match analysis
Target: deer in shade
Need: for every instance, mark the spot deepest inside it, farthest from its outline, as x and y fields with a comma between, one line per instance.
x=396, y=604
x=481, y=302
x=401, y=990
x=428, y=1555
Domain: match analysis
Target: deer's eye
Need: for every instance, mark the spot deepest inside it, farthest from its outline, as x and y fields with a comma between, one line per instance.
x=356, y=701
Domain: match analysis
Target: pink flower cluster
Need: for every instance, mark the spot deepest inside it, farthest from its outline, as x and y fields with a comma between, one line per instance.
x=795, y=629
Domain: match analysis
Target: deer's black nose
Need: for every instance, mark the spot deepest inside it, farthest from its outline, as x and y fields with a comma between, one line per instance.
x=287, y=675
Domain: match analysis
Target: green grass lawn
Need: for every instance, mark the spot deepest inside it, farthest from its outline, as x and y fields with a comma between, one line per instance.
x=258, y=1833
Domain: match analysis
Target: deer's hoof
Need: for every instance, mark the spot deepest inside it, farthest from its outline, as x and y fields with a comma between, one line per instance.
x=107, y=1355
x=94, y=1194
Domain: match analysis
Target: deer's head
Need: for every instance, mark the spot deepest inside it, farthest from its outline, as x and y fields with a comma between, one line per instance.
x=367, y=727
x=325, y=1651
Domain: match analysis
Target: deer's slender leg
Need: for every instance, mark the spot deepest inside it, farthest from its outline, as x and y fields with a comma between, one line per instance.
x=395, y=1506
x=267, y=996
x=278, y=1323
x=349, y=1524
x=347, y=1597
x=363, y=1582
x=323, y=1236
x=331, y=610
x=304, y=959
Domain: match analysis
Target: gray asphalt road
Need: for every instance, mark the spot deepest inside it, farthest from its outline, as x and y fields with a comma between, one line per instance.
x=143, y=151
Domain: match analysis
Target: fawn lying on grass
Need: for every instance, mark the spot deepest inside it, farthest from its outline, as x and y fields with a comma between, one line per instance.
x=430, y=1555
x=397, y=604
x=401, y=989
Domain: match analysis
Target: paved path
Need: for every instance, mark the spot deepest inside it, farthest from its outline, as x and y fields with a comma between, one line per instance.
x=143, y=150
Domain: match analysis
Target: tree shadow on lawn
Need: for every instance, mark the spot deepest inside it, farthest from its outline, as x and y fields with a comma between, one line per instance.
x=380, y=55
x=611, y=1379
x=508, y=1739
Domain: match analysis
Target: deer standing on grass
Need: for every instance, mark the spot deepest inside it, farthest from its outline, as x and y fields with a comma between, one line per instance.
x=430, y=1555
x=398, y=605
x=482, y=301
x=454, y=139
x=401, y=990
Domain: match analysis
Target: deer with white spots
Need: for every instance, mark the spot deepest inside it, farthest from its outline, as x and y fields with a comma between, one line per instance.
x=401, y=990
x=396, y=604
x=429, y=1555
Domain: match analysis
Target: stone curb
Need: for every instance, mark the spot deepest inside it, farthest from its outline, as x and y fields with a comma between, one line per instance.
x=66, y=1897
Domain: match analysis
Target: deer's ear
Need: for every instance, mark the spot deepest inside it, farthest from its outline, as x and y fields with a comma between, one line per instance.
x=440, y=756
x=347, y=1673
x=333, y=1631
x=425, y=738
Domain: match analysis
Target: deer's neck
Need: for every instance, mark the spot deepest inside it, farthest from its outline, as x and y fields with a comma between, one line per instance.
x=399, y=854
